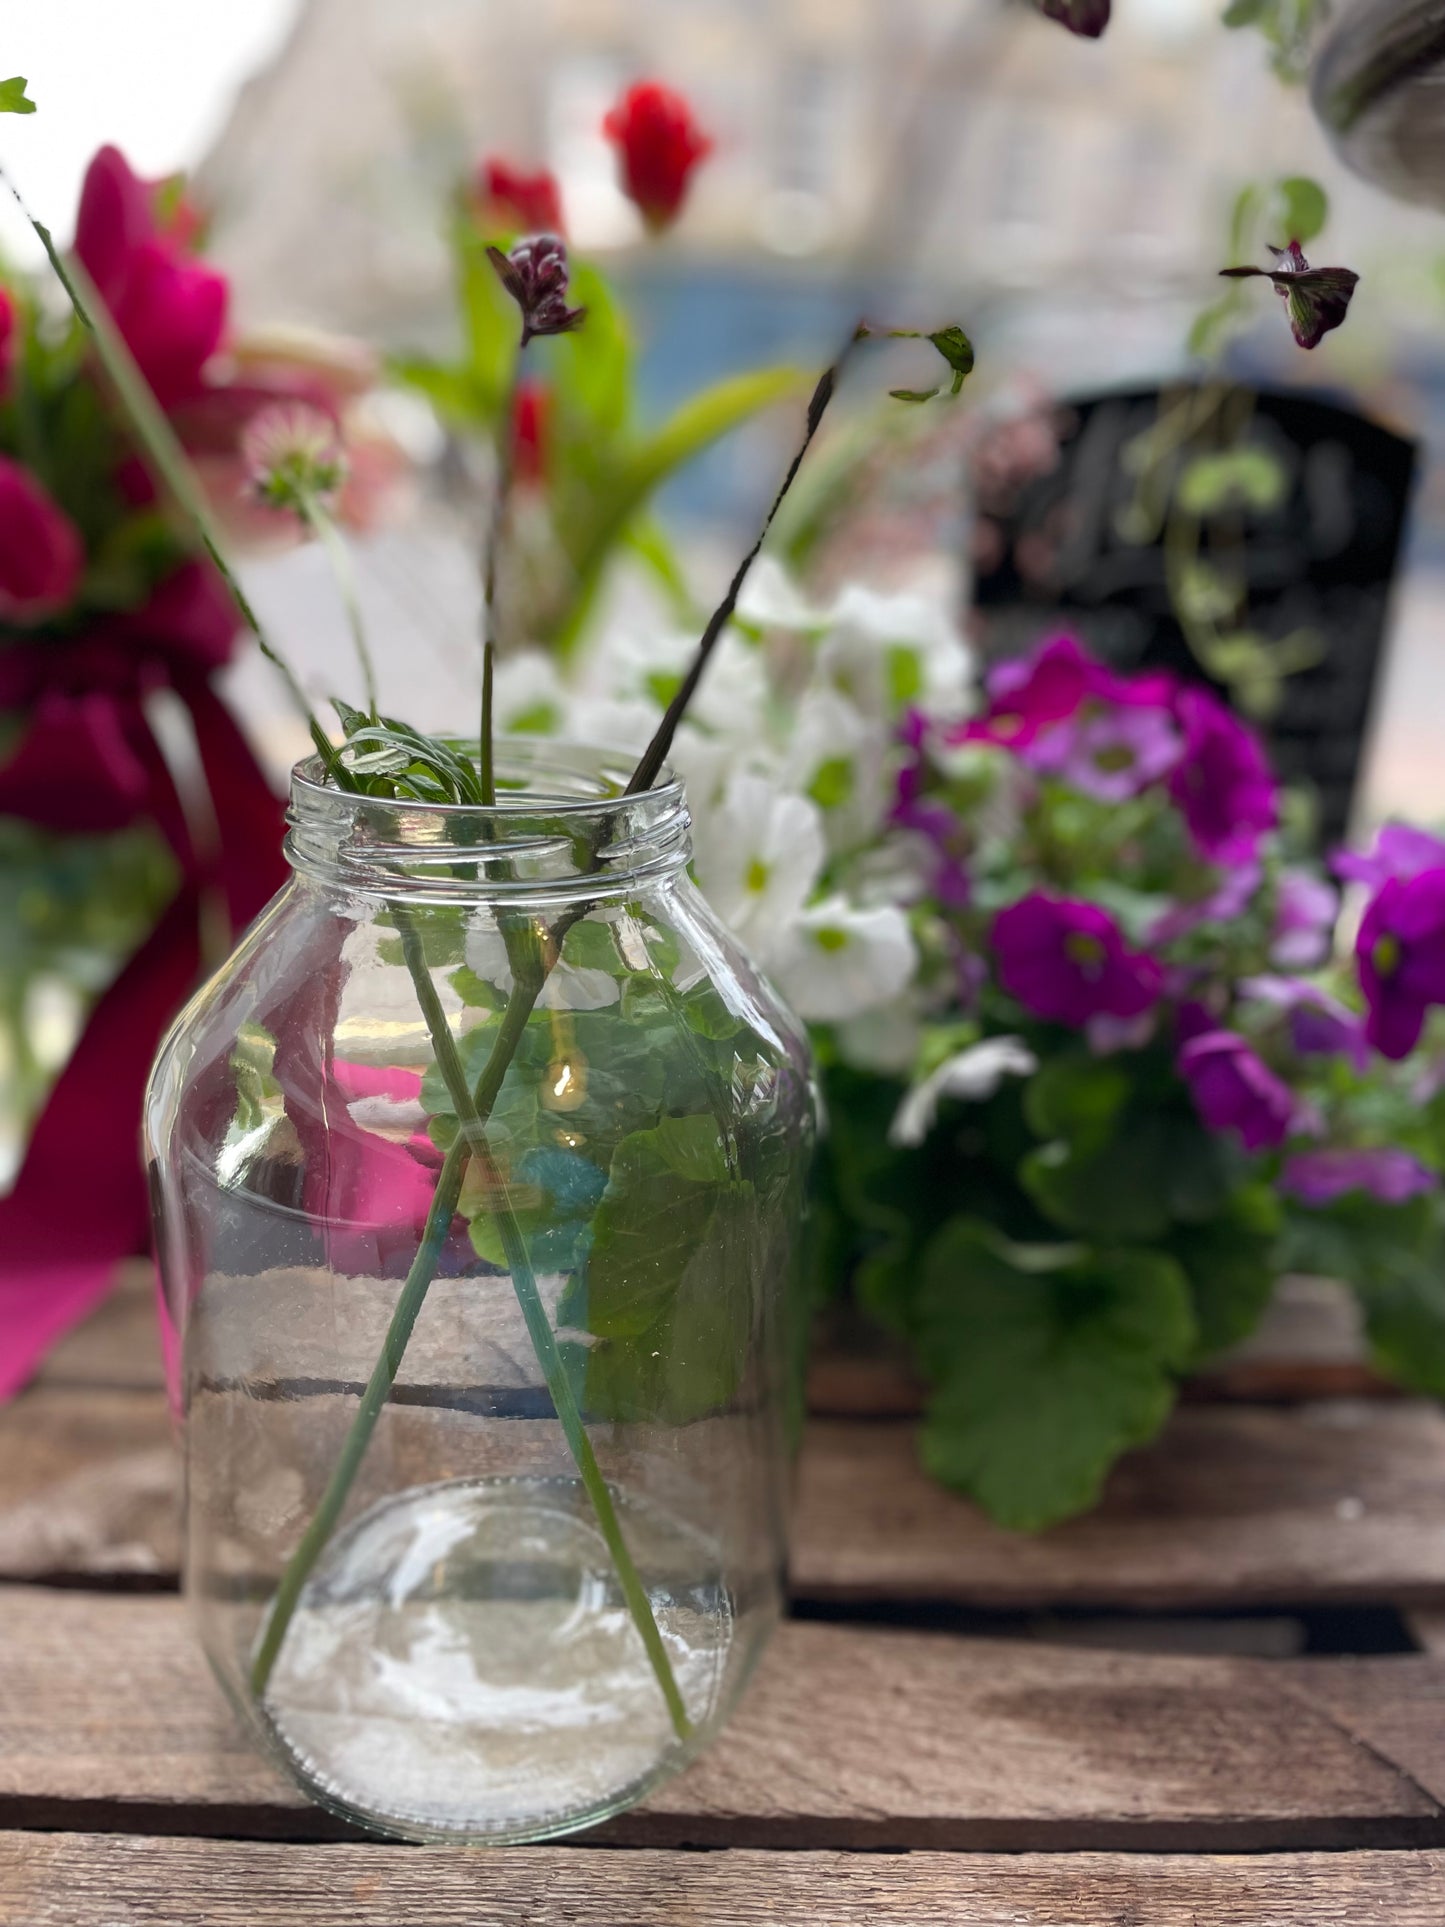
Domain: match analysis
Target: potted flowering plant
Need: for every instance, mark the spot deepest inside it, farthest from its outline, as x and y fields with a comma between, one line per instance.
x=1139, y=1085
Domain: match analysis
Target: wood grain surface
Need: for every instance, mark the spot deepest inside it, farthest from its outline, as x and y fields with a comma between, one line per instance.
x=74, y=1880
x=850, y=1737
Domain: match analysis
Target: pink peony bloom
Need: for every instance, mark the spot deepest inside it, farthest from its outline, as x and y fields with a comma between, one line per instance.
x=42, y=557
x=1400, y=955
x=170, y=309
x=1067, y=961
x=1233, y=1090
x=1222, y=783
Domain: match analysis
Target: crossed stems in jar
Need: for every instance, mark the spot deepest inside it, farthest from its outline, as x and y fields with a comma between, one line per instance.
x=532, y=960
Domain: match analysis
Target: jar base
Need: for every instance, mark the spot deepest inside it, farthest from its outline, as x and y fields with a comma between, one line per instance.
x=462, y=1664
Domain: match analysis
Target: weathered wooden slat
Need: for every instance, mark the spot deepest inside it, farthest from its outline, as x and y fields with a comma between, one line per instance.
x=77, y=1880
x=851, y=1738
x=1233, y=1506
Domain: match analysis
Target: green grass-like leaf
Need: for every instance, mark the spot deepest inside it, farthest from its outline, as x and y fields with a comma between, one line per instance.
x=13, y=98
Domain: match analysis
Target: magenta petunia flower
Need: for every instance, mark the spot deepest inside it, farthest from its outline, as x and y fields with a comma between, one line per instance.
x=1320, y=1025
x=1229, y=898
x=1029, y=693
x=1234, y=1090
x=1067, y=961
x=1385, y=1171
x=1305, y=909
x=1222, y=782
x=1108, y=750
x=1400, y=850
x=1400, y=955
x=932, y=821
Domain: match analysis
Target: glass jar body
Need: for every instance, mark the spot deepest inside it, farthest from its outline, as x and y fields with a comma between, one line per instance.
x=479, y=1181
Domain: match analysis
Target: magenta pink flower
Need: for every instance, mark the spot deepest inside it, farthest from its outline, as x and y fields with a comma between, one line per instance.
x=1385, y=1171
x=170, y=309
x=1029, y=693
x=1400, y=850
x=1304, y=918
x=1109, y=750
x=1067, y=961
x=1233, y=1090
x=1222, y=782
x=42, y=557
x=1400, y=955
x=9, y=329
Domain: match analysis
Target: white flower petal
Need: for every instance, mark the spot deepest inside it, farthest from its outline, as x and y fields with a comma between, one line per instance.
x=835, y=961
x=526, y=690
x=568, y=986
x=971, y=1076
x=758, y=854
x=771, y=599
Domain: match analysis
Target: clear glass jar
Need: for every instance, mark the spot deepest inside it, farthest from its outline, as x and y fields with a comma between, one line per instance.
x=479, y=1175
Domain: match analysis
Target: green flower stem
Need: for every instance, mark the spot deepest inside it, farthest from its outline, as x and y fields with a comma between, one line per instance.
x=318, y=519
x=473, y=1108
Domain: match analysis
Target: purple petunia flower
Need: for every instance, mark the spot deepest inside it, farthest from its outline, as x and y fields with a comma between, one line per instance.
x=1400, y=850
x=1304, y=919
x=1222, y=783
x=1067, y=961
x=1400, y=954
x=1320, y=1025
x=1234, y=1090
x=935, y=822
x=1108, y=750
x=1386, y=1172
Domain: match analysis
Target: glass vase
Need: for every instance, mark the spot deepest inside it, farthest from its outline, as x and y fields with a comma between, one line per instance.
x=479, y=1174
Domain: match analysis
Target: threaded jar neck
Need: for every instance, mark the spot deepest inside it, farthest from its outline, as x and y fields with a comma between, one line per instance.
x=562, y=827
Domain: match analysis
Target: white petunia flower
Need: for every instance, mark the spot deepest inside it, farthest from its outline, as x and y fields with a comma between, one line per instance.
x=640, y=666
x=886, y=652
x=527, y=695
x=836, y=961
x=757, y=854
x=973, y=1075
x=611, y=724
x=771, y=599
x=837, y=756
x=568, y=986
x=884, y=1041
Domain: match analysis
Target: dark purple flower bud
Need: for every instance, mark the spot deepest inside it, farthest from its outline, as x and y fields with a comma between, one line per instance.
x=1385, y=1171
x=1067, y=961
x=1086, y=17
x=1233, y=1090
x=1316, y=299
x=1400, y=954
x=535, y=275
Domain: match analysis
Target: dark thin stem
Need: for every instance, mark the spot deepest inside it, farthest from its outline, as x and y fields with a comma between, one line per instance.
x=655, y=755
x=497, y=525
x=486, y=762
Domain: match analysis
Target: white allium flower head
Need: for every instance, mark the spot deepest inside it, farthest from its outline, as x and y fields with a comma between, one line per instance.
x=836, y=961
x=972, y=1075
x=758, y=852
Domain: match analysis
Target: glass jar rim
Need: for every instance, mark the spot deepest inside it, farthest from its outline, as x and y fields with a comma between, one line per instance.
x=563, y=822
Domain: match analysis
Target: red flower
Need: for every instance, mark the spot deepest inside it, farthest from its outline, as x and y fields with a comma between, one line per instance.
x=658, y=145
x=170, y=309
x=531, y=427
x=7, y=339
x=531, y=202
x=42, y=557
